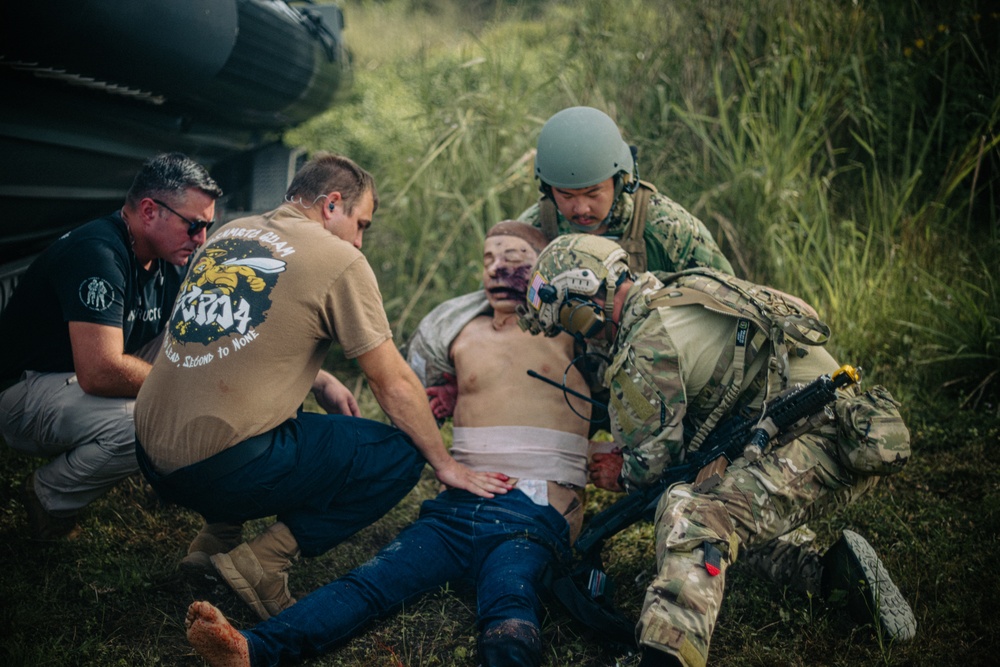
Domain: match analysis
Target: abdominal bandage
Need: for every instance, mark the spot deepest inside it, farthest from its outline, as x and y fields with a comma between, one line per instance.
x=523, y=452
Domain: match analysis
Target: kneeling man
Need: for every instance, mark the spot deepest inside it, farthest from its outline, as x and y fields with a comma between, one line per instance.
x=504, y=421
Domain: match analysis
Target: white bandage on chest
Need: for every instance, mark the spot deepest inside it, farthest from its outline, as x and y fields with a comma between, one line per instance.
x=523, y=452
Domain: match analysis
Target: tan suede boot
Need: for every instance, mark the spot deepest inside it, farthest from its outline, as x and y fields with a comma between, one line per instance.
x=257, y=570
x=213, y=538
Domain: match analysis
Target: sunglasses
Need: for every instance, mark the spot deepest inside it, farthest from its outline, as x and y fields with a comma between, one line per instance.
x=194, y=226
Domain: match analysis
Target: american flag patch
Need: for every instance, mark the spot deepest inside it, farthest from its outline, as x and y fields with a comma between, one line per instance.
x=536, y=284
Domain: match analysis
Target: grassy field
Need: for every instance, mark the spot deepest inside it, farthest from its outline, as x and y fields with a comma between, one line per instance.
x=113, y=596
x=847, y=152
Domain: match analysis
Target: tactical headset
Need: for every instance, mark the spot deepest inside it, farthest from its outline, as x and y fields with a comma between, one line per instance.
x=581, y=317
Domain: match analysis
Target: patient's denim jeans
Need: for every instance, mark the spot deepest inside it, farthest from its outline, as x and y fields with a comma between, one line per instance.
x=501, y=545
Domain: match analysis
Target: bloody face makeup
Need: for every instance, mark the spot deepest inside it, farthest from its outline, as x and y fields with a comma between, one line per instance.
x=507, y=262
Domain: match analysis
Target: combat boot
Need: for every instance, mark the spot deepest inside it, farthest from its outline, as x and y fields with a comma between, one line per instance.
x=257, y=571
x=213, y=538
x=851, y=566
x=45, y=526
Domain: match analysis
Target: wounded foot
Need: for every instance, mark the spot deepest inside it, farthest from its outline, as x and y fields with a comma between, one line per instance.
x=215, y=640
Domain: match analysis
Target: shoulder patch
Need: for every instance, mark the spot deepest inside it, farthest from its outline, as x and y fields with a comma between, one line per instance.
x=96, y=293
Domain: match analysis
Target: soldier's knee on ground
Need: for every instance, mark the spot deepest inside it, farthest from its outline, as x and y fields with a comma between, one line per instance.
x=510, y=643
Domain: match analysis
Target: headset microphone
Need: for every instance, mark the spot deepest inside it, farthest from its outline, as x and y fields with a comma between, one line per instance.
x=332, y=206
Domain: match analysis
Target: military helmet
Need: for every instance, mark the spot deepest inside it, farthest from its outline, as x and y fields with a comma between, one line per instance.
x=579, y=147
x=568, y=272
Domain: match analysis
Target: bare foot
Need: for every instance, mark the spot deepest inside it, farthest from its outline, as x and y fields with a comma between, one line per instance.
x=214, y=638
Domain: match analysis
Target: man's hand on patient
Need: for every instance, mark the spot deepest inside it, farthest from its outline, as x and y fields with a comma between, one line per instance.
x=486, y=484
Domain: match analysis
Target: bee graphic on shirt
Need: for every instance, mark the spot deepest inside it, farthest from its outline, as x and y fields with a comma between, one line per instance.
x=224, y=296
x=225, y=276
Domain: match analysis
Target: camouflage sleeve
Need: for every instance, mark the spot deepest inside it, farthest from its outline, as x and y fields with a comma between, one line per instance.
x=530, y=216
x=676, y=240
x=648, y=403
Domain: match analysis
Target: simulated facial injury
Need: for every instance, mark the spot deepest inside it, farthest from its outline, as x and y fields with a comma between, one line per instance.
x=509, y=251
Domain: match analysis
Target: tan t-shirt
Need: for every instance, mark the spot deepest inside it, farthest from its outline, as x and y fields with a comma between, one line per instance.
x=263, y=302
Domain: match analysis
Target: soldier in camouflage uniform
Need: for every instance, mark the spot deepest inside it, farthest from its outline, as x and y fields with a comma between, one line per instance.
x=685, y=355
x=590, y=184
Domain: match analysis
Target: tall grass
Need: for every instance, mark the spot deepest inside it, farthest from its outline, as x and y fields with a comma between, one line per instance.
x=843, y=150
x=803, y=134
x=465, y=164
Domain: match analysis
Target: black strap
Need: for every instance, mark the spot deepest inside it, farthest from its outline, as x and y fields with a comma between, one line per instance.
x=208, y=470
x=587, y=594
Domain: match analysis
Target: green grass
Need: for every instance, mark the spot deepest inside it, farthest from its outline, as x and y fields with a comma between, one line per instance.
x=114, y=597
x=843, y=151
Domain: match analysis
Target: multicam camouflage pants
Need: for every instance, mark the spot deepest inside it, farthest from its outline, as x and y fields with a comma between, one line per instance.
x=755, y=504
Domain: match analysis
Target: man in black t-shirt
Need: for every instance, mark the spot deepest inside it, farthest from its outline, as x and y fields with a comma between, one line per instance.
x=78, y=330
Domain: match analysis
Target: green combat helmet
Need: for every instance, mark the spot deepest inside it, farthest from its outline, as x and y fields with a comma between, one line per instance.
x=579, y=147
x=568, y=272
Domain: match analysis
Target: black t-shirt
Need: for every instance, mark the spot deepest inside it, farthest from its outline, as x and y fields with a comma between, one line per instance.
x=89, y=275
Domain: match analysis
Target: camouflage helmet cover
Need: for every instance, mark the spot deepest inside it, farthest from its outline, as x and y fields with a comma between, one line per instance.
x=572, y=266
x=579, y=147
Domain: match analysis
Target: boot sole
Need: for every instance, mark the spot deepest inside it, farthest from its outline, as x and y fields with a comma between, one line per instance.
x=871, y=593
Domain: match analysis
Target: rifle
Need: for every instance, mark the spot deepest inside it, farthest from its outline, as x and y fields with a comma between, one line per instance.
x=734, y=437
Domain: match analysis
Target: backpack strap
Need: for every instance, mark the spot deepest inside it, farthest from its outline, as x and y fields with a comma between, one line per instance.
x=632, y=241
x=764, y=320
x=748, y=334
x=548, y=217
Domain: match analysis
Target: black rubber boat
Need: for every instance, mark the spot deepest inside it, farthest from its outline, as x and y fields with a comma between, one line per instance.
x=90, y=88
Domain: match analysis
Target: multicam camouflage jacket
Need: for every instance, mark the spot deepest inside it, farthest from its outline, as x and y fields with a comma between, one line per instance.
x=675, y=239
x=654, y=416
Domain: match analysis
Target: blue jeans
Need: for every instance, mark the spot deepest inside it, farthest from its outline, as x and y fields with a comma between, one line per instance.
x=325, y=476
x=502, y=545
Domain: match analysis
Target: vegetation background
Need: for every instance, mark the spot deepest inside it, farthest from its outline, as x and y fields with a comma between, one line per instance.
x=843, y=150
